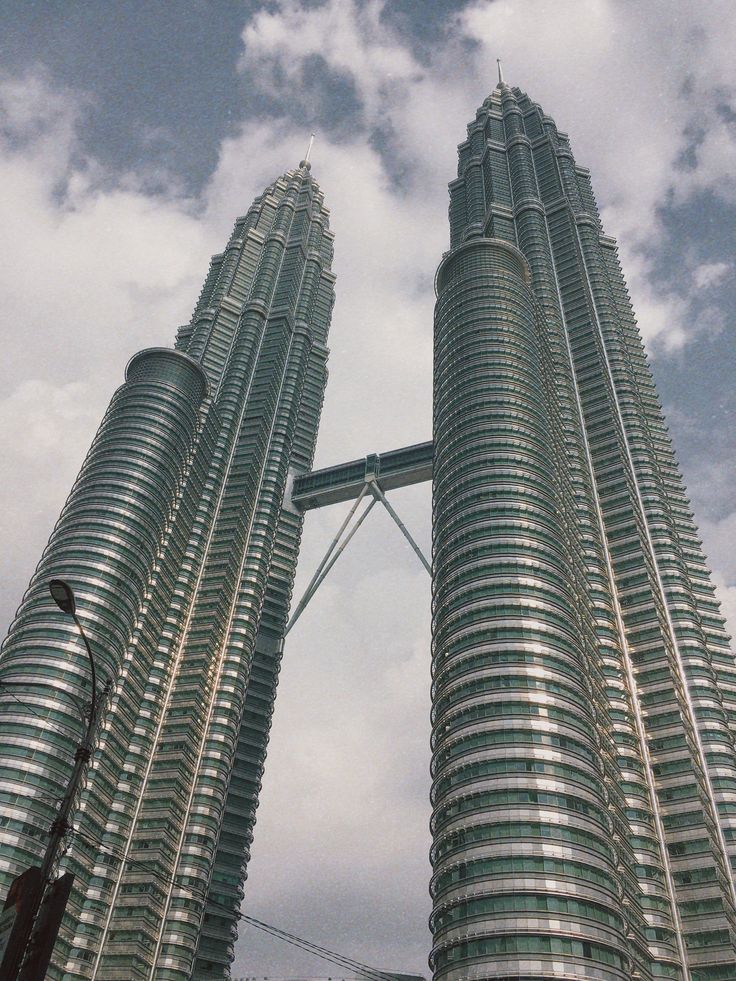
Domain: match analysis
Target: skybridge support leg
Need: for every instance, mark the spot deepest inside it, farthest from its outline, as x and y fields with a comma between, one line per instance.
x=337, y=547
x=333, y=553
x=402, y=527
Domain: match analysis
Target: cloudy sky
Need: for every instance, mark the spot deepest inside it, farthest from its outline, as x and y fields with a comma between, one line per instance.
x=132, y=133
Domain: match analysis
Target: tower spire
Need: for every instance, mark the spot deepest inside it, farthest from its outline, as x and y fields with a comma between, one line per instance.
x=501, y=80
x=305, y=162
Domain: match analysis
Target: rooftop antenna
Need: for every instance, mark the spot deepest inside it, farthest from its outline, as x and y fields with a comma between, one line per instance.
x=500, y=73
x=305, y=162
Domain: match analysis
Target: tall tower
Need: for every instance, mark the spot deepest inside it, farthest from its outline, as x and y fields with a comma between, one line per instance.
x=180, y=543
x=584, y=695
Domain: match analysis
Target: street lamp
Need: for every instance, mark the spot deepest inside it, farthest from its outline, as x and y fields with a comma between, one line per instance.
x=29, y=937
x=63, y=595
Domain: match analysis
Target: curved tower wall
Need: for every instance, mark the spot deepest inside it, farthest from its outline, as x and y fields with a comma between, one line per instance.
x=108, y=542
x=648, y=647
x=181, y=549
x=520, y=821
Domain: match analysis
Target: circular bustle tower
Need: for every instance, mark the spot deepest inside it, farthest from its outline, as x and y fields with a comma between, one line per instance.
x=525, y=880
x=106, y=542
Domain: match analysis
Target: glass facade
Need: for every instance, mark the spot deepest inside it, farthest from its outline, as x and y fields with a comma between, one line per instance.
x=181, y=546
x=584, y=694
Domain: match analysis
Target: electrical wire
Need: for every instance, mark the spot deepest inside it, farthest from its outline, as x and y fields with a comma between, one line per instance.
x=340, y=960
x=26, y=705
x=5, y=690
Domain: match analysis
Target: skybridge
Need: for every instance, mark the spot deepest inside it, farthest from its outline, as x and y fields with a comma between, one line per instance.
x=345, y=482
x=367, y=478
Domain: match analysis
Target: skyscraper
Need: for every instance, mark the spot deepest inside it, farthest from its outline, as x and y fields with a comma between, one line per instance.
x=584, y=695
x=181, y=549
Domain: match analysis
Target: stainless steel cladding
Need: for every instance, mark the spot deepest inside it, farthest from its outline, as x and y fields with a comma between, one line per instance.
x=521, y=827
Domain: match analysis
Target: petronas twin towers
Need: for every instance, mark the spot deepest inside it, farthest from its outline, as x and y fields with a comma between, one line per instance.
x=584, y=694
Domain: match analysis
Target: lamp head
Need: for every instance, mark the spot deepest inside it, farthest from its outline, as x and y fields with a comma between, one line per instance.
x=63, y=595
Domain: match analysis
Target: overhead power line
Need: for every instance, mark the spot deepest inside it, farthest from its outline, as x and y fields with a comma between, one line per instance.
x=332, y=956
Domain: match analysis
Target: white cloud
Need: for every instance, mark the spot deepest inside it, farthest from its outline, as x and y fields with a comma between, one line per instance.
x=91, y=273
x=601, y=69
x=714, y=167
x=720, y=532
x=45, y=430
x=42, y=421
x=81, y=252
x=592, y=67
x=39, y=121
x=422, y=109
x=711, y=273
x=727, y=598
x=348, y=35
x=719, y=535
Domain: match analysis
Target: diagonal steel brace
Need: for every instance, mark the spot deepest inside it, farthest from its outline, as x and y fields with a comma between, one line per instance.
x=380, y=496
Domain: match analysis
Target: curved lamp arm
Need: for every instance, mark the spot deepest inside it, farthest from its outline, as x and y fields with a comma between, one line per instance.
x=63, y=595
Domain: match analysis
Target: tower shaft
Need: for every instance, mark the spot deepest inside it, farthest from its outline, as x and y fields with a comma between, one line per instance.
x=181, y=550
x=582, y=699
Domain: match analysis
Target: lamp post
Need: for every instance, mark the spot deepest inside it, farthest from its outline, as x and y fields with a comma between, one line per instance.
x=63, y=596
x=24, y=965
